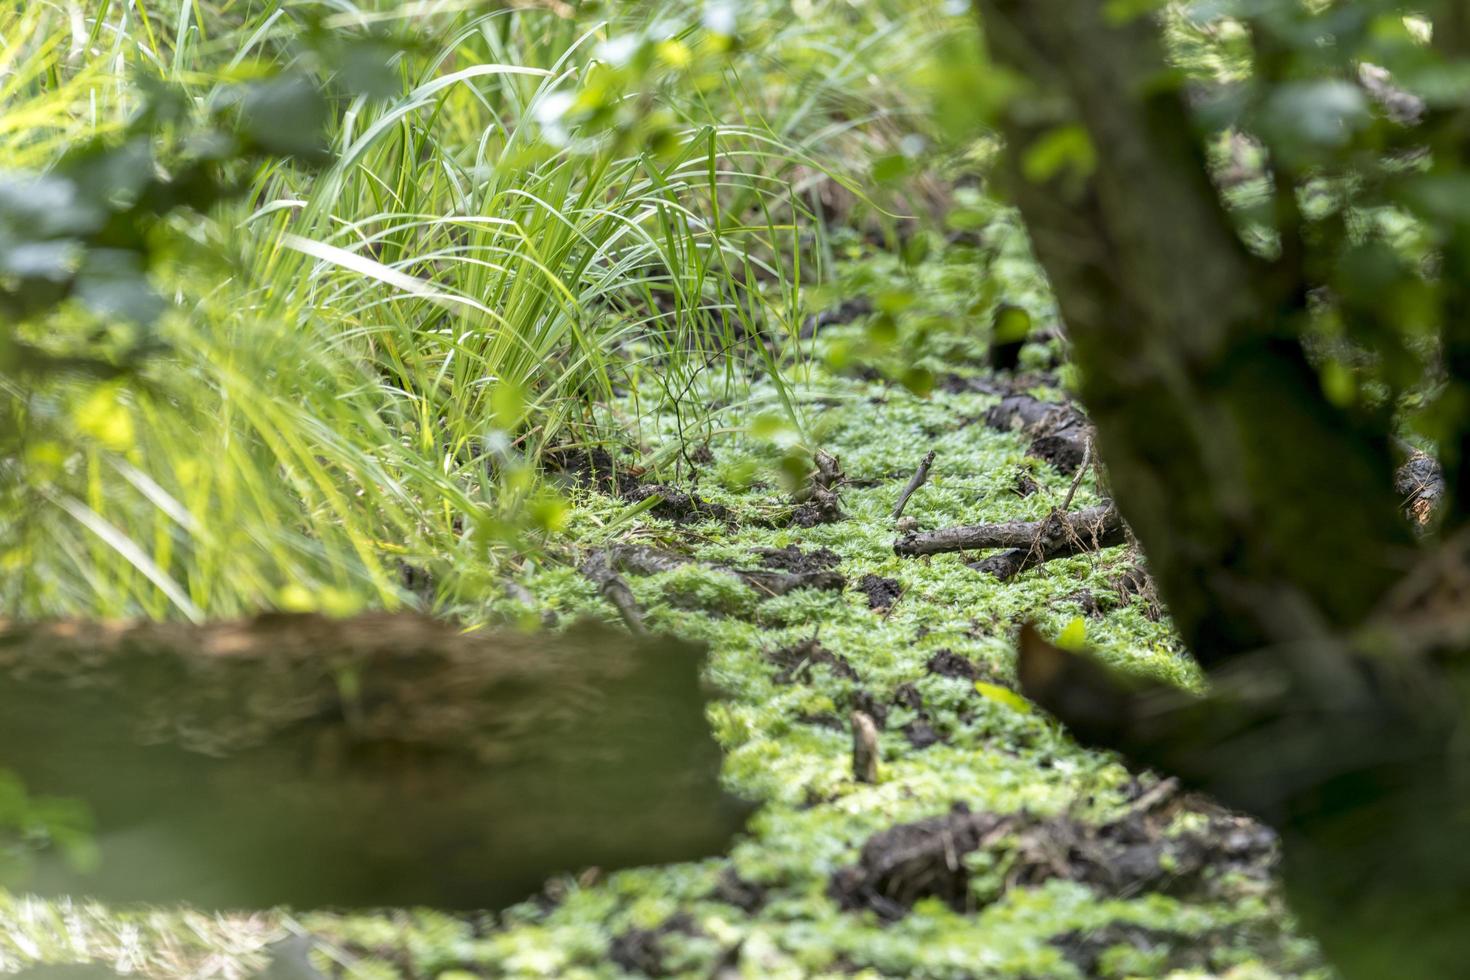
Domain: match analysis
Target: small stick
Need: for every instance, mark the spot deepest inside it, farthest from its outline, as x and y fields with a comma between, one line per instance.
x=1081, y=472
x=598, y=568
x=864, y=748
x=915, y=482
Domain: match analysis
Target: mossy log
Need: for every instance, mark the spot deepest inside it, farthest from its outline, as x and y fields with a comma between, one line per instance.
x=380, y=760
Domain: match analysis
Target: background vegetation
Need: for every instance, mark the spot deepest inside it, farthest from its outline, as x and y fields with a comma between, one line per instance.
x=327, y=307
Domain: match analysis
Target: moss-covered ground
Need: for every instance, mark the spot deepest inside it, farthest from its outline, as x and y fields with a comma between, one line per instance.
x=764, y=909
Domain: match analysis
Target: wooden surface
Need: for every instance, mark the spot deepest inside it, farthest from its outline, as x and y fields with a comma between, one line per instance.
x=382, y=760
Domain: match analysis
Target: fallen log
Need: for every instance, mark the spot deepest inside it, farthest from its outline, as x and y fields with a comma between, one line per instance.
x=1027, y=543
x=380, y=760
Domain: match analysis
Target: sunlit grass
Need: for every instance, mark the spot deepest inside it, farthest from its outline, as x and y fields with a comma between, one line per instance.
x=365, y=362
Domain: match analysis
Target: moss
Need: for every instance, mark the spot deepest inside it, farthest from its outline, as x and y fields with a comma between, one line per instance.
x=783, y=751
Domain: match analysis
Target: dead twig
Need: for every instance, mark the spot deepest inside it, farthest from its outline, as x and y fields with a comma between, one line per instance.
x=598, y=568
x=920, y=477
x=1081, y=472
x=864, y=748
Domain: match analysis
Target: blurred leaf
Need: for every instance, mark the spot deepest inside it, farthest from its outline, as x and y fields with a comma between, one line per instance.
x=1062, y=148
x=918, y=380
x=1003, y=695
x=104, y=417
x=890, y=168
x=113, y=284
x=1074, y=635
x=1012, y=324
x=286, y=116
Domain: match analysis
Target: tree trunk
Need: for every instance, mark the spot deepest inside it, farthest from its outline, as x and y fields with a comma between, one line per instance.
x=1268, y=515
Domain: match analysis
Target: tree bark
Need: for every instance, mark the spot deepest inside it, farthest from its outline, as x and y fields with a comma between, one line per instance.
x=1029, y=542
x=381, y=760
x=1268, y=516
x=1210, y=419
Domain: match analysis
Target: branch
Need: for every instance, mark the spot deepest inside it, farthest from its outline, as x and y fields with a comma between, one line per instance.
x=1052, y=532
x=915, y=482
x=599, y=569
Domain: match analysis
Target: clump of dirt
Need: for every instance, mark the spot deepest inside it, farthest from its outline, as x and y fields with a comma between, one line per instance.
x=589, y=469
x=1024, y=485
x=1059, y=432
x=845, y=312
x=747, y=896
x=677, y=505
x=796, y=662
x=864, y=701
x=908, y=696
x=823, y=509
x=907, y=862
x=817, y=500
x=1136, y=853
x=793, y=559
x=921, y=734
x=947, y=663
x=882, y=592
x=641, y=952
x=1168, y=952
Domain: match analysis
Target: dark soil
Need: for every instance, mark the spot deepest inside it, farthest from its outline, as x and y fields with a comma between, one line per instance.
x=882, y=592
x=823, y=508
x=921, y=734
x=678, y=505
x=871, y=706
x=735, y=890
x=793, y=559
x=847, y=311
x=908, y=862
x=640, y=951
x=1058, y=432
x=772, y=583
x=592, y=469
x=1130, y=585
x=1167, y=952
x=796, y=662
x=1173, y=951
x=1134, y=854
x=908, y=696
x=947, y=663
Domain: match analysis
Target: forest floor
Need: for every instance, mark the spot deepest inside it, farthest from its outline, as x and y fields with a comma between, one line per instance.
x=990, y=845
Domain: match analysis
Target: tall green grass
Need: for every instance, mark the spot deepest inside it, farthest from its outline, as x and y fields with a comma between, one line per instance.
x=550, y=218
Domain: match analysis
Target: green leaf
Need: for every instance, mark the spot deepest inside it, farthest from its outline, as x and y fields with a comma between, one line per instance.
x=1062, y=148
x=1074, y=635
x=1003, y=695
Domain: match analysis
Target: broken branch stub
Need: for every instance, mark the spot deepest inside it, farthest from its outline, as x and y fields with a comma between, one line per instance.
x=920, y=477
x=380, y=760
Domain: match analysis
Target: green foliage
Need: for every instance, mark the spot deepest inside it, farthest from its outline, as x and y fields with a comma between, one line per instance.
x=508, y=218
x=1340, y=134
